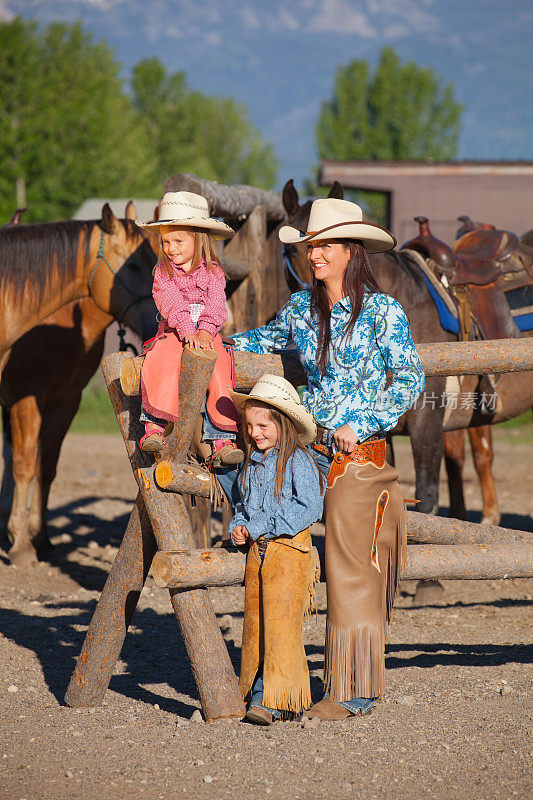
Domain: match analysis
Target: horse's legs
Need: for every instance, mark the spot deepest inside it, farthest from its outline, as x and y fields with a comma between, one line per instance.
x=424, y=426
x=25, y=427
x=56, y=422
x=454, y=457
x=7, y=488
x=482, y=450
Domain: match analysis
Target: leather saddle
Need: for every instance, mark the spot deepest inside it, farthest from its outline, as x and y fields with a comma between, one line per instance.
x=483, y=265
x=432, y=249
x=489, y=263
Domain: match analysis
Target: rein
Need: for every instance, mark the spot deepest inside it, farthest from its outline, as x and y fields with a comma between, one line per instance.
x=288, y=270
x=136, y=298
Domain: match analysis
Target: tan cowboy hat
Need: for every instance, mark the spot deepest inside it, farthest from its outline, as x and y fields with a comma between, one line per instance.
x=279, y=393
x=188, y=210
x=340, y=219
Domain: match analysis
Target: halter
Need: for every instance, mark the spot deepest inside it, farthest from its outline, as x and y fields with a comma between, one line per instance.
x=288, y=270
x=136, y=298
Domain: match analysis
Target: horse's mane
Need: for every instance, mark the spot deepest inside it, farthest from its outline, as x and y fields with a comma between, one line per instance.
x=29, y=254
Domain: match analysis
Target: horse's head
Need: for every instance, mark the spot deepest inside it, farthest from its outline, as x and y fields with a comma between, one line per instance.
x=121, y=278
x=297, y=272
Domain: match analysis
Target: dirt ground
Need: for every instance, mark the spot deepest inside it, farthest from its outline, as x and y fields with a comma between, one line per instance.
x=454, y=723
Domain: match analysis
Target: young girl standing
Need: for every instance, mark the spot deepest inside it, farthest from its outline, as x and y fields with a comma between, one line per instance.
x=189, y=292
x=281, y=492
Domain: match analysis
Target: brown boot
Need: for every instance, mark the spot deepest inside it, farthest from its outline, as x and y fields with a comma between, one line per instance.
x=226, y=453
x=327, y=709
x=260, y=716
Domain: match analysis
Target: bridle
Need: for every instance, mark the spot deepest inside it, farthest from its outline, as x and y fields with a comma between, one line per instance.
x=136, y=298
x=288, y=270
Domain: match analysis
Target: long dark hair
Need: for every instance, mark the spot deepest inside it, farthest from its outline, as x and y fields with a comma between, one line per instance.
x=288, y=443
x=358, y=278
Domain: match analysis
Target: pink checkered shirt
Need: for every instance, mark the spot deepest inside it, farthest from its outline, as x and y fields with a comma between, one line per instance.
x=174, y=295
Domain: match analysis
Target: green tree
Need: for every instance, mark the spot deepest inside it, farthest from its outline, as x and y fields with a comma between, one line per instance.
x=402, y=111
x=399, y=112
x=192, y=132
x=68, y=130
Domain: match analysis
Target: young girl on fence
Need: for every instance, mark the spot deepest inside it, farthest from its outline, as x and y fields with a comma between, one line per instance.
x=189, y=294
x=281, y=492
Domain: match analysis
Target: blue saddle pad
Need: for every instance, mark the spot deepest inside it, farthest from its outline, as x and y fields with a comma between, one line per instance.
x=447, y=320
x=521, y=305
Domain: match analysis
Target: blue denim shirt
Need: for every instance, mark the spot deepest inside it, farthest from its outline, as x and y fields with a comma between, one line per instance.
x=352, y=390
x=260, y=510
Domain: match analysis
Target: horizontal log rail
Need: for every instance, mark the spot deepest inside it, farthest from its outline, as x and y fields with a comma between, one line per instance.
x=231, y=202
x=192, y=569
x=438, y=359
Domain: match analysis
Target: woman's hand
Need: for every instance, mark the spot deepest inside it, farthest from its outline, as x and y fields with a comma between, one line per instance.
x=240, y=535
x=345, y=439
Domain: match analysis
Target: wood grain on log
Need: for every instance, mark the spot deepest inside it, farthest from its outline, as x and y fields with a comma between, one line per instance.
x=182, y=478
x=225, y=567
x=230, y=202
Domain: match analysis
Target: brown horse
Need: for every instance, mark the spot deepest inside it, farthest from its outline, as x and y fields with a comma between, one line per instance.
x=44, y=375
x=43, y=267
x=398, y=276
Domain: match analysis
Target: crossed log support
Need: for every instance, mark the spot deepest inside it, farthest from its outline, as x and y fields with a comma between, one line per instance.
x=159, y=521
x=159, y=524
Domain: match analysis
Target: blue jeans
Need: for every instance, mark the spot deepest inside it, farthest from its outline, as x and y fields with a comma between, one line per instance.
x=257, y=696
x=209, y=430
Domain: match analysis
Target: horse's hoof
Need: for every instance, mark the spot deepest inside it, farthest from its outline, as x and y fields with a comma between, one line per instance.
x=23, y=556
x=428, y=592
x=491, y=519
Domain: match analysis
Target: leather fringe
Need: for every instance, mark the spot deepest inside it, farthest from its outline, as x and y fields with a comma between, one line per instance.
x=291, y=699
x=358, y=652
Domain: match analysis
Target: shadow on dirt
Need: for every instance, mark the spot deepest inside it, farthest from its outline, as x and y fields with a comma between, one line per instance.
x=153, y=652
x=446, y=655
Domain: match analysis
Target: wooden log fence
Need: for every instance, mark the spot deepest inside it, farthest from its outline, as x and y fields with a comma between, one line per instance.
x=159, y=530
x=186, y=570
x=438, y=359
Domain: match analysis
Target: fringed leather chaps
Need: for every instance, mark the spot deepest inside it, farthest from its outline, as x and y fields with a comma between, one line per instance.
x=277, y=595
x=365, y=538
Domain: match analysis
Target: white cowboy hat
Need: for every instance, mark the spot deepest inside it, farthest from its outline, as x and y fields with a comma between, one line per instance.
x=339, y=219
x=188, y=210
x=279, y=393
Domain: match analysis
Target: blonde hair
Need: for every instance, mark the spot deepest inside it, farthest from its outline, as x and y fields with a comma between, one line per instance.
x=204, y=249
x=288, y=442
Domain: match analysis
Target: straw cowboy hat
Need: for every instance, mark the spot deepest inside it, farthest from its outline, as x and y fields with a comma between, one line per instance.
x=339, y=219
x=188, y=210
x=280, y=394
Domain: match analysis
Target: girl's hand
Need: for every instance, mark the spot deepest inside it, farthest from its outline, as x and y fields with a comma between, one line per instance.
x=193, y=340
x=345, y=439
x=240, y=535
x=205, y=339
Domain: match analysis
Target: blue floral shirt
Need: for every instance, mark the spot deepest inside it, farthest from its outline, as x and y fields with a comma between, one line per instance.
x=352, y=390
x=260, y=510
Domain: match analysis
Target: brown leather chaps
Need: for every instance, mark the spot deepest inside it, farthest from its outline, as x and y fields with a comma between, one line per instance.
x=279, y=591
x=365, y=538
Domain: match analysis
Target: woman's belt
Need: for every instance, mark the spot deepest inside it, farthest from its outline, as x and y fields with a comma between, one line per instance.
x=368, y=452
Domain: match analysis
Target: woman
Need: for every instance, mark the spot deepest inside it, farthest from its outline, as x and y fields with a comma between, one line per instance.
x=349, y=337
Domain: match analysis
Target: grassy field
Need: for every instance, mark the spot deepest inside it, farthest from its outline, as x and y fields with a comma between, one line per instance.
x=96, y=416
